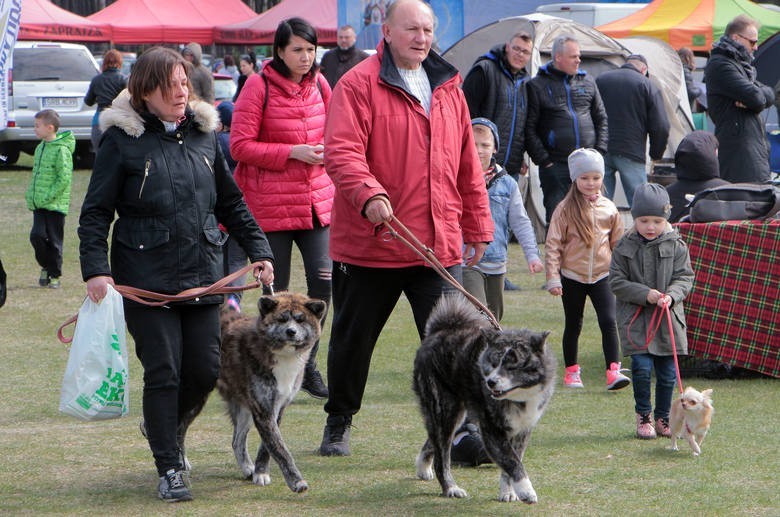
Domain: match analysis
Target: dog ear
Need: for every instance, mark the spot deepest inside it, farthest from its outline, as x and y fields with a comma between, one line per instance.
x=317, y=307
x=538, y=339
x=707, y=394
x=267, y=304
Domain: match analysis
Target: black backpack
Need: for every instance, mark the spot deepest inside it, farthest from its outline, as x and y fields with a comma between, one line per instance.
x=737, y=201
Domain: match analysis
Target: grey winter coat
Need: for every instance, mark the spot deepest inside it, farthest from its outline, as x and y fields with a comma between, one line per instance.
x=638, y=266
x=170, y=191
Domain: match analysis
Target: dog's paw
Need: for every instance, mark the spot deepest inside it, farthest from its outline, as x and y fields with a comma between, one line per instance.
x=507, y=496
x=248, y=470
x=695, y=453
x=424, y=469
x=299, y=486
x=455, y=491
x=525, y=491
x=261, y=478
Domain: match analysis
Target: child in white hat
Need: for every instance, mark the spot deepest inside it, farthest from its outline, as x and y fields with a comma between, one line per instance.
x=584, y=229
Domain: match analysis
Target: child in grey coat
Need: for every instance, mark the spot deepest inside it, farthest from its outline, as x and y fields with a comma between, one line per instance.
x=651, y=268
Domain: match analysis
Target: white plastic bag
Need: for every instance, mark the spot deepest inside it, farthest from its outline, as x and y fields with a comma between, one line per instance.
x=95, y=383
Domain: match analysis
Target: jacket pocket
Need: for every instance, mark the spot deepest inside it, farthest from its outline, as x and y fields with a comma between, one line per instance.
x=145, y=239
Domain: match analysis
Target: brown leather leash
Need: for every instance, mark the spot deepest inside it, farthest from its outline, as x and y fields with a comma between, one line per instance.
x=154, y=299
x=427, y=254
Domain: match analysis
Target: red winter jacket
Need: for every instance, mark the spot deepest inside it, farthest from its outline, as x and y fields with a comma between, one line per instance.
x=380, y=141
x=281, y=192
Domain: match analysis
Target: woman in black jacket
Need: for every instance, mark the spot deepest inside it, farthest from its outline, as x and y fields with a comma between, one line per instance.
x=104, y=88
x=160, y=170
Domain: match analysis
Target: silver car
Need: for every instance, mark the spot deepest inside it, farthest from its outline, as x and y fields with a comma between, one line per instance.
x=49, y=75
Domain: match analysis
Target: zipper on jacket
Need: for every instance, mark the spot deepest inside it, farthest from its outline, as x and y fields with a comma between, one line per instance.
x=208, y=164
x=147, y=166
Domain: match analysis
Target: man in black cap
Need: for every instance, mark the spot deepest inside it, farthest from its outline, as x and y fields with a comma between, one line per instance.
x=635, y=110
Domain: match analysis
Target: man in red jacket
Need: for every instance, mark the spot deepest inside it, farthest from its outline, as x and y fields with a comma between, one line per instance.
x=400, y=145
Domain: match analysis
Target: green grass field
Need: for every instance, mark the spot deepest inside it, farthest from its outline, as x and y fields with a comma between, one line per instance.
x=583, y=458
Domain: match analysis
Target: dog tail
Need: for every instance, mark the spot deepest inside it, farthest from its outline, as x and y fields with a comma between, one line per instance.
x=453, y=311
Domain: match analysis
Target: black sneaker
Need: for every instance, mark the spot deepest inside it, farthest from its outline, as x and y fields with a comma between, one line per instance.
x=172, y=487
x=314, y=385
x=468, y=449
x=335, y=437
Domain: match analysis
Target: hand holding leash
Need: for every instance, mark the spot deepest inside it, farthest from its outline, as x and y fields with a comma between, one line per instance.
x=264, y=273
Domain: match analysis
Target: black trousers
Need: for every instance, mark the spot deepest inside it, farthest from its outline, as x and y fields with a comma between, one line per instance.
x=46, y=238
x=179, y=350
x=603, y=301
x=363, y=300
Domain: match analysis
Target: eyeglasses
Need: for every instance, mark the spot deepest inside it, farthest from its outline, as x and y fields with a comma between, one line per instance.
x=752, y=42
x=520, y=50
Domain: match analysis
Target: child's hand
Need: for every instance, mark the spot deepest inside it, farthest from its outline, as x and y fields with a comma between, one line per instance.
x=535, y=266
x=556, y=291
x=653, y=296
x=665, y=300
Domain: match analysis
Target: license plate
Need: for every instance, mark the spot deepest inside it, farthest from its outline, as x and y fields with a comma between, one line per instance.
x=60, y=102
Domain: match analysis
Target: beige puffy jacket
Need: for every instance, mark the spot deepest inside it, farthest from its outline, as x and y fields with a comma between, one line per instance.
x=567, y=255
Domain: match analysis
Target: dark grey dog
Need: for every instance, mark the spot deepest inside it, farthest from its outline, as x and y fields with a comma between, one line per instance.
x=262, y=369
x=503, y=378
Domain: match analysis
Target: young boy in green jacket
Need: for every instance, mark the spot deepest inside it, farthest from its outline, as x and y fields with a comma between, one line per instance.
x=48, y=194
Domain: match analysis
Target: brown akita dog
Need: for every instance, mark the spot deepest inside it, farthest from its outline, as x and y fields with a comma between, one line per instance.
x=262, y=369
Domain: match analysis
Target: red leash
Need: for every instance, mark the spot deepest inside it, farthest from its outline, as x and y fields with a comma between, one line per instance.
x=652, y=330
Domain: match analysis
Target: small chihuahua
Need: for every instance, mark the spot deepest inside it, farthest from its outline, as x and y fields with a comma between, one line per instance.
x=690, y=418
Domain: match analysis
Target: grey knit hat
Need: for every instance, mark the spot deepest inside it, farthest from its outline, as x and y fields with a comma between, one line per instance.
x=651, y=199
x=585, y=160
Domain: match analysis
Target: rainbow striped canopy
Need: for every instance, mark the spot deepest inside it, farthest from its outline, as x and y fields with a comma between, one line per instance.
x=695, y=24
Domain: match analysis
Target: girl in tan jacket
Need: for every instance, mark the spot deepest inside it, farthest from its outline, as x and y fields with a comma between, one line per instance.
x=584, y=229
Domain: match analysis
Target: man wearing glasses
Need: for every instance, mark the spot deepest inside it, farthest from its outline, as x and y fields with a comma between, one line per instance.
x=495, y=89
x=735, y=100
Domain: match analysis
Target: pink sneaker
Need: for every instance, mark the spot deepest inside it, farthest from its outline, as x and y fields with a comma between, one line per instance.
x=572, y=378
x=662, y=428
x=644, y=427
x=615, y=379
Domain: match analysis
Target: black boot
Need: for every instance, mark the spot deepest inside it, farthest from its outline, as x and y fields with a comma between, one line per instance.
x=312, y=379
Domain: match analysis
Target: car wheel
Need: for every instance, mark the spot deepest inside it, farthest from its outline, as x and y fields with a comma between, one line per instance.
x=9, y=156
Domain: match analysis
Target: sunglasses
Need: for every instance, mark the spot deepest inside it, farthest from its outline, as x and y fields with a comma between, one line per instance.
x=752, y=42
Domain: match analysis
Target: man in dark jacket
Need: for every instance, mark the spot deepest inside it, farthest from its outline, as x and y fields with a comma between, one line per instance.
x=696, y=164
x=565, y=112
x=336, y=62
x=635, y=109
x=495, y=89
x=735, y=100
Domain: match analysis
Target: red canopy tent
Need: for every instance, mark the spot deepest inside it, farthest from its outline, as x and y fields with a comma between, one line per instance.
x=260, y=29
x=164, y=21
x=42, y=20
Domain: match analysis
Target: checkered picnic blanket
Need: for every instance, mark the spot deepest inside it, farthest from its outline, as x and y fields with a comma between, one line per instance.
x=733, y=311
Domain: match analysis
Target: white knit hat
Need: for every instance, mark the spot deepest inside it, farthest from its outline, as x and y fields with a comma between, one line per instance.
x=585, y=160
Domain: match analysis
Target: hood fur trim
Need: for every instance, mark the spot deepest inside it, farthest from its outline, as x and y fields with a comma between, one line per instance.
x=122, y=115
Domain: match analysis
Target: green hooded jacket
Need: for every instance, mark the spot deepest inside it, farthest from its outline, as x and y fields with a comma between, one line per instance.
x=51, y=174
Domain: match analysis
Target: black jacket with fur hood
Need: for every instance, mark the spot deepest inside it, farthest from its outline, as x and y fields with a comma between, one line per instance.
x=170, y=191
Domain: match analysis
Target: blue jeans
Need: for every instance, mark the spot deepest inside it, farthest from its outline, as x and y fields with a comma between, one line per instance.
x=666, y=377
x=632, y=174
